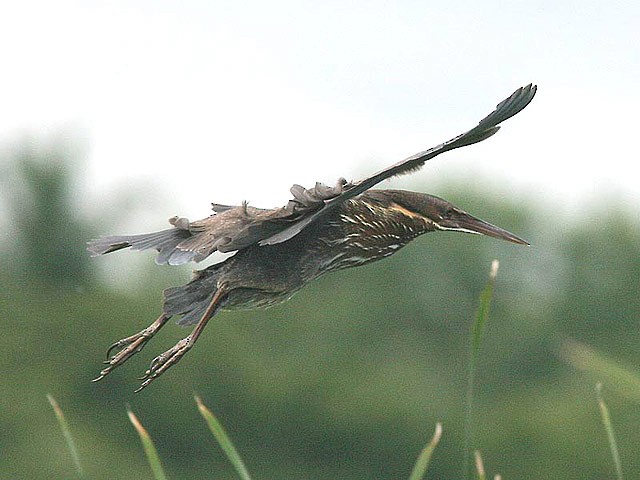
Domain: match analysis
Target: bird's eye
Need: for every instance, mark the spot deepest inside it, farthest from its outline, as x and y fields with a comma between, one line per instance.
x=448, y=213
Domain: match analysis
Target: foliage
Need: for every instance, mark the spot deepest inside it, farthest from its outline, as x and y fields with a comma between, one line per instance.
x=477, y=330
x=216, y=428
x=343, y=380
x=38, y=190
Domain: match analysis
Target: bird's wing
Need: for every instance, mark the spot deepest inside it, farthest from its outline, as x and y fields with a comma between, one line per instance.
x=487, y=127
x=233, y=228
x=267, y=223
x=192, y=241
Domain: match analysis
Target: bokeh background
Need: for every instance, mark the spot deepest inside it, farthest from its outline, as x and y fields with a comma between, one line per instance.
x=117, y=116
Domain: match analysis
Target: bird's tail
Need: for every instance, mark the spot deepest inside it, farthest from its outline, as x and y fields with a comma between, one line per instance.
x=164, y=241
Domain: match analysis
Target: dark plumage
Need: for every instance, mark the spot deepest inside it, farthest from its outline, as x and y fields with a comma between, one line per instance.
x=280, y=250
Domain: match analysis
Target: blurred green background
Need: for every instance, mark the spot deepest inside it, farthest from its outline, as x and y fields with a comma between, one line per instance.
x=346, y=380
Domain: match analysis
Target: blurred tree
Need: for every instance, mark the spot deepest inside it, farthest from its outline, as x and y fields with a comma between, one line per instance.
x=344, y=381
x=45, y=231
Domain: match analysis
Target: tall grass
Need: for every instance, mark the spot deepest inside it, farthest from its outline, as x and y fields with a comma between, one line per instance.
x=66, y=432
x=480, y=473
x=216, y=428
x=622, y=379
x=223, y=440
x=575, y=353
x=422, y=463
x=477, y=329
x=608, y=426
x=149, y=448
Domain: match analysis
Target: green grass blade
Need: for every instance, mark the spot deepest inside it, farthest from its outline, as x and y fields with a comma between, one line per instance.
x=223, y=440
x=481, y=475
x=625, y=381
x=483, y=309
x=67, y=435
x=149, y=447
x=477, y=330
x=608, y=426
x=422, y=463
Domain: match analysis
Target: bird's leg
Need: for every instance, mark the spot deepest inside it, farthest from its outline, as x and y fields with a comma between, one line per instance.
x=164, y=361
x=129, y=346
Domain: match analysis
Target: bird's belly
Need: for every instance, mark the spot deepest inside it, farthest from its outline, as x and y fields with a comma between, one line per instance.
x=248, y=298
x=360, y=253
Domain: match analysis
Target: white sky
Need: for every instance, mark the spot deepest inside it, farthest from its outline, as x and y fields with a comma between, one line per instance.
x=226, y=101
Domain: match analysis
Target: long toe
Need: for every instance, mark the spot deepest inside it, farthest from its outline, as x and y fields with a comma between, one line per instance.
x=164, y=361
x=128, y=347
x=119, y=345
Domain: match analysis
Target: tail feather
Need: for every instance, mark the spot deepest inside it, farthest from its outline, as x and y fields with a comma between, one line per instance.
x=164, y=241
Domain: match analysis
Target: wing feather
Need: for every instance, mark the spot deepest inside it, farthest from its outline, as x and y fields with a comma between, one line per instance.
x=232, y=228
x=487, y=127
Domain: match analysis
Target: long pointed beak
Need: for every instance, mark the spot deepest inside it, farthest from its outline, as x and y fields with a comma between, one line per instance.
x=463, y=222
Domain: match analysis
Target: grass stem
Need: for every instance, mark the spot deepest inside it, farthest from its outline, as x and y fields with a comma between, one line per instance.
x=422, y=463
x=223, y=440
x=608, y=426
x=66, y=432
x=477, y=329
x=148, y=446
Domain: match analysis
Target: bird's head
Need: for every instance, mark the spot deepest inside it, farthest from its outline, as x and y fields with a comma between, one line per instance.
x=443, y=215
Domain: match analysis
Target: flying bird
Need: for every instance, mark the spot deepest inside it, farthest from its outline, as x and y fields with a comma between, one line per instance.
x=278, y=251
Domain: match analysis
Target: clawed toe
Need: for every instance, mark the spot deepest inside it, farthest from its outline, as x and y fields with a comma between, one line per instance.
x=120, y=344
x=129, y=346
x=164, y=361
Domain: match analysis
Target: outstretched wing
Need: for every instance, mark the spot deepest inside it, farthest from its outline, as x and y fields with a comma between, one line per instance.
x=487, y=127
x=232, y=228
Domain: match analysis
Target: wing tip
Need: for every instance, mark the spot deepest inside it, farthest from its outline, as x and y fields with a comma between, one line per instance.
x=510, y=106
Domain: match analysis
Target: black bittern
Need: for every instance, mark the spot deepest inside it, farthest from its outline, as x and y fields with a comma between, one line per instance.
x=280, y=250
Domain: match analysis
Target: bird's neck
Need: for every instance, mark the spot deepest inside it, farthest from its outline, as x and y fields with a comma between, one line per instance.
x=364, y=231
x=380, y=229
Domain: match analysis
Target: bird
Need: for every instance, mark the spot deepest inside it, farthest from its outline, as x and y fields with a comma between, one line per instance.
x=278, y=251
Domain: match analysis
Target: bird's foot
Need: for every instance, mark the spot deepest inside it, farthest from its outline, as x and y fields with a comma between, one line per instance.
x=129, y=346
x=164, y=361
